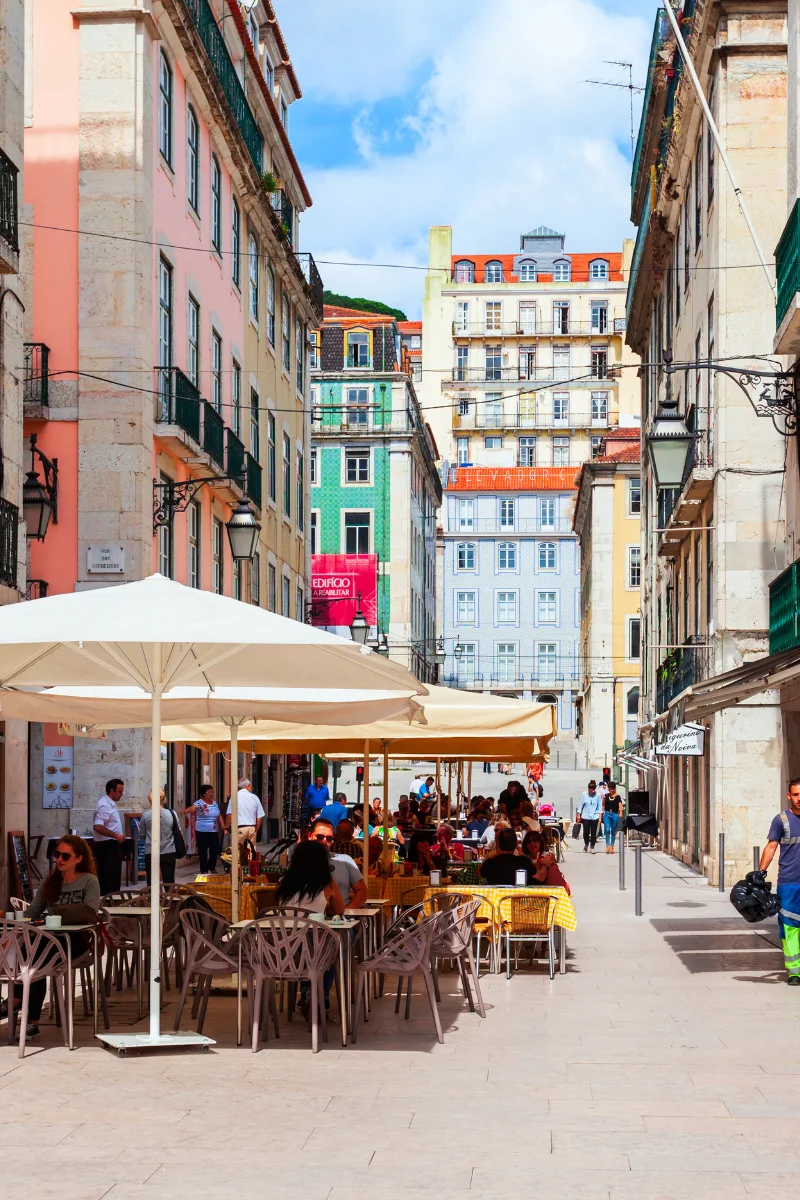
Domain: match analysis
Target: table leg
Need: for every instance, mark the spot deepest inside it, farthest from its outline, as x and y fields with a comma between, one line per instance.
x=139, y=968
x=70, y=989
x=239, y=1000
x=562, y=950
x=343, y=988
x=95, y=988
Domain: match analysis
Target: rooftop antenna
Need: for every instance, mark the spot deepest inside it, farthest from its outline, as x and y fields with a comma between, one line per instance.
x=630, y=86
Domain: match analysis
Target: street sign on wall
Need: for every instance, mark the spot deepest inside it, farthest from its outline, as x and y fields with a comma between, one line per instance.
x=688, y=739
x=336, y=581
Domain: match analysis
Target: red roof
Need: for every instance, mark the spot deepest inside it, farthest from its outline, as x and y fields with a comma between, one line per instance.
x=333, y=312
x=623, y=433
x=512, y=479
x=580, y=265
x=410, y=326
x=630, y=453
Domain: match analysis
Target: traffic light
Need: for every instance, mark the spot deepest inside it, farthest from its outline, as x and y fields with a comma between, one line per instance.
x=360, y=774
x=606, y=774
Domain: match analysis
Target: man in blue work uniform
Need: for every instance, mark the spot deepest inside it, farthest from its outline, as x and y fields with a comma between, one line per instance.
x=317, y=795
x=589, y=810
x=785, y=832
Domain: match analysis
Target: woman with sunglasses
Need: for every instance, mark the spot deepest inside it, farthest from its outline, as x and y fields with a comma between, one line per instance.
x=309, y=881
x=70, y=891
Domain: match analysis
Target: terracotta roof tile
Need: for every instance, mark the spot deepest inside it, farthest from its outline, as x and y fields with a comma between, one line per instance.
x=512, y=479
x=624, y=433
x=336, y=311
x=410, y=326
x=622, y=454
x=580, y=265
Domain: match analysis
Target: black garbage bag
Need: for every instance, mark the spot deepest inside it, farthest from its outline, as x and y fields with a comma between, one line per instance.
x=753, y=898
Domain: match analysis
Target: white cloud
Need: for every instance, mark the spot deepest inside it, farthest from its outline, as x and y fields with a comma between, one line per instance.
x=508, y=137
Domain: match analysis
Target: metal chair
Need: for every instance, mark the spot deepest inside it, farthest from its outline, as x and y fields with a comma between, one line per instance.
x=406, y=955
x=527, y=919
x=210, y=950
x=453, y=939
x=20, y=905
x=29, y=953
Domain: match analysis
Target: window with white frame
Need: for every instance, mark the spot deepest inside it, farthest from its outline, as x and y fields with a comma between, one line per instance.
x=217, y=557
x=216, y=371
x=272, y=466
x=272, y=588
x=493, y=272
x=547, y=556
x=598, y=268
x=313, y=465
x=269, y=75
x=527, y=271
x=527, y=317
x=634, y=496
x=216, y=205
x=286, y=333
x=358, y=350
x=299, y=352
x=358, y=407
x=356, y=532
x=270, y=305
x=560, y=451
x=494, y=362
x=634, y=566
x=286, y=470
x=193, y=341
x=236, y=398
x=506, y=662
x=466, y=514
x=546, y=660
x=166, y=543
x=465, y=664
x=634, y=638
x=547, y=512
x=165, y=107
x=506, y=608
x=465, y=608
x=252, y=270
x=300, y=490
x=527, y=362
x=560, y=408
x=462, y=316
x=507, y=556
x=236, y=578
x=164, y=324
x=465, y=556
x=599, y=408
x=561, y=317
x=546, y=608
x=508, y=512
x=193, y=158
x=561, y=361
x=463, y=406
x=462, y=451
x=286, y=593
x=493, y=409
x=314, y=349
x=527, y=451
x=314, y=532
x=236, y=243
x=299, y=602
x=562, y=271
x=464, y=271
x=255, y=448
x=599, y=316
x=493, y=442
x=494, y=314
x=599, y=362
x=356, y=466
x=462, y=364
x=596, y=442
x=193, y=564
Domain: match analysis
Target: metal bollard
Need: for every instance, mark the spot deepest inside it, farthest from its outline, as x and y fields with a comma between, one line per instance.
x=756, y=857
x=637, y=862
x=722, y=862
x=571, y=808
x=622, y=860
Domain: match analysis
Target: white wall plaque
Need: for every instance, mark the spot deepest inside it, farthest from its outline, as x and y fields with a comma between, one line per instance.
x=105, y=560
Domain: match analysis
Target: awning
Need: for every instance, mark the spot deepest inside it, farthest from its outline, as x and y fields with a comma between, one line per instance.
x=733, y=687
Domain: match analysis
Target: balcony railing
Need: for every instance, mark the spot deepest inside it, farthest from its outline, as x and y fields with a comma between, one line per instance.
x=680, y=669
x=37, y=376
x=784, y=610
x=9, y=211
x=363, y=421
x=524, y=419
x=9, y=535
x=36, y=589
x=179, y=401
x=313, y=280
x=581, y=374
x=253, y=480
x=236, y=455
x=787, y=264
x=483, y=329
x=212, y=39
x=285, y=212
x=213, y=434
x=519, y=525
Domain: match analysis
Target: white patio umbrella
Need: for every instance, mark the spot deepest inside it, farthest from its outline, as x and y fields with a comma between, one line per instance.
x=158, y=635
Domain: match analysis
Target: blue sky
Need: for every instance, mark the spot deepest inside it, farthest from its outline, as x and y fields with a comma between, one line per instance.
x=460, y=113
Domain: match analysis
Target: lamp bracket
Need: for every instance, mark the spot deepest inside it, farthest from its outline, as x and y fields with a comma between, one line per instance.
x=50, y=472
x=171, y=497
x=771, y=393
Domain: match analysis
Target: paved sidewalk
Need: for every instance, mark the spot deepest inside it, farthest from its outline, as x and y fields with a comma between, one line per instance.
x=665, y=1064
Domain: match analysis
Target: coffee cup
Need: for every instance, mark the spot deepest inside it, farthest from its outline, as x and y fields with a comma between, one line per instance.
x=10, y=916
x=317, y=916
x=52, y=922
x=18, y=916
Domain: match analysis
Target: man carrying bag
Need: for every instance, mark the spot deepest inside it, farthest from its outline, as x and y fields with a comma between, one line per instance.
x=785, y=832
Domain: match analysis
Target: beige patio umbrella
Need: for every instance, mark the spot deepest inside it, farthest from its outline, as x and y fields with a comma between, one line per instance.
x=158, y=635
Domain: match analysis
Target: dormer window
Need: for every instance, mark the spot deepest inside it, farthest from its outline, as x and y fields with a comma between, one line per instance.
x=527, y=271
x=562, y=271
x=358, y=350
x=493, y=272
x=598, y=268
x=464, y=272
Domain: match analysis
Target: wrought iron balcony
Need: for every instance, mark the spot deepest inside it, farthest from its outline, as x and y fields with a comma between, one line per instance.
x=236, y=455
x=9, y=217
x=9, y=539
x=313, y=280
x=284, y=210
x=680, y=669
x=784, y=610
x=179, y=402
x=211, y=37
x=253, y=480
x=213, y=434
x=510, y=528
x=568, y=328
x=578, y=374
x=37, y=377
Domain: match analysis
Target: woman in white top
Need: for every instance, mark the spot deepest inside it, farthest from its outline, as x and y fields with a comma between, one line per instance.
x=208, y=821
x=309, y=882
x=168, y=853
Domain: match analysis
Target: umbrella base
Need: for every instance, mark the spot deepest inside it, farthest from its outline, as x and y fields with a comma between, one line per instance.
x=123, y=1042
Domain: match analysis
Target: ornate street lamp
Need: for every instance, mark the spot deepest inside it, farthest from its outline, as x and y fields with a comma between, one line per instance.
x=243, y=531
x=40, y=500
x=440, y=654
x=359, y=626
x=669, y=442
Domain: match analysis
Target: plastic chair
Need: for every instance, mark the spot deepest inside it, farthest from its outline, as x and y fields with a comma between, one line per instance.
x=210, y=950
x=291, y=948
x=29, y=953
x=19, y=905
x=406, y=955
x=528, y=919
x=453, y=939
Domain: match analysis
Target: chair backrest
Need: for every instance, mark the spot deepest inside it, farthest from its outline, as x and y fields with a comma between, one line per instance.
x=262, y=898
x=405, y=953
x=414, y=895
x=207, y=938
x=19, y=905
x=407, y=918
x=454, y=931
x=288, y=947
x=126, y=897
x=528, y=914
x=442, y=902
x=221, y=905
x=30, y=950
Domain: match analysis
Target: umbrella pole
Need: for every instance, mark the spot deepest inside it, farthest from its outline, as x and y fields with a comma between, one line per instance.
x=365, y=822
x=449, y=788
x=387, y=853
x=155, y=848
x=234, y=821
x=469, y=784
x=438, y=791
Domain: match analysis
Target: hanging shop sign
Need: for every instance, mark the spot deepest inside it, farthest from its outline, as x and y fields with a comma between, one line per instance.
x=688, y=739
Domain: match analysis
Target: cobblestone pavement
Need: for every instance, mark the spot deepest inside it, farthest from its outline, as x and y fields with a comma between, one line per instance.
x=664, y=1064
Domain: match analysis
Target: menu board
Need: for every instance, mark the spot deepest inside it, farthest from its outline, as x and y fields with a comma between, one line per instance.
x=57, y=778
x=20, y=865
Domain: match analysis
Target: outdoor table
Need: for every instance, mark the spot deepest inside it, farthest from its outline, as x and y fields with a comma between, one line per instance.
x=565, y=915
x=136, y=912
x=345, y=974
x=219, y=887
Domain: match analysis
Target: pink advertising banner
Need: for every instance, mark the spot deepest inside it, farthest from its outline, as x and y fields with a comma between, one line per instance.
x=336, y=580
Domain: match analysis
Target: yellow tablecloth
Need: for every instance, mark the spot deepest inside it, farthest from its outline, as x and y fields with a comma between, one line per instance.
x=219, y=887
x=393, y=887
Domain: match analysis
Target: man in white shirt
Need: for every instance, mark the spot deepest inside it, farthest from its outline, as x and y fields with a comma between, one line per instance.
x=251, y=813
x=108, y=838
x=416, y=784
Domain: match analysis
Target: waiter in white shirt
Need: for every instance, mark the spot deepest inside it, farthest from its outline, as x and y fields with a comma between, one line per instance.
x=251, y=813
x=108, y=838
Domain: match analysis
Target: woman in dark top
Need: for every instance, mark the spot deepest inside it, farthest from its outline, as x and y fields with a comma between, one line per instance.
x=612, y=808
x=70, y=891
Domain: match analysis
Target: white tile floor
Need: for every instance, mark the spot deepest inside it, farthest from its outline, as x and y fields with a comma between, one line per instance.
x=664, y=1064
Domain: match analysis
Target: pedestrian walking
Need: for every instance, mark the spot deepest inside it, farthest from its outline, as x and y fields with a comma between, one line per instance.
x=589, y=809
x=206, y=828
x=108, y=838
x=785, y=832
x=168, y=845
x=251, y=813
x=612, y=810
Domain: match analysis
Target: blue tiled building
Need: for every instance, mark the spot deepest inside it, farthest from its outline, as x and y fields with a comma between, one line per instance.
x=511, y=584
